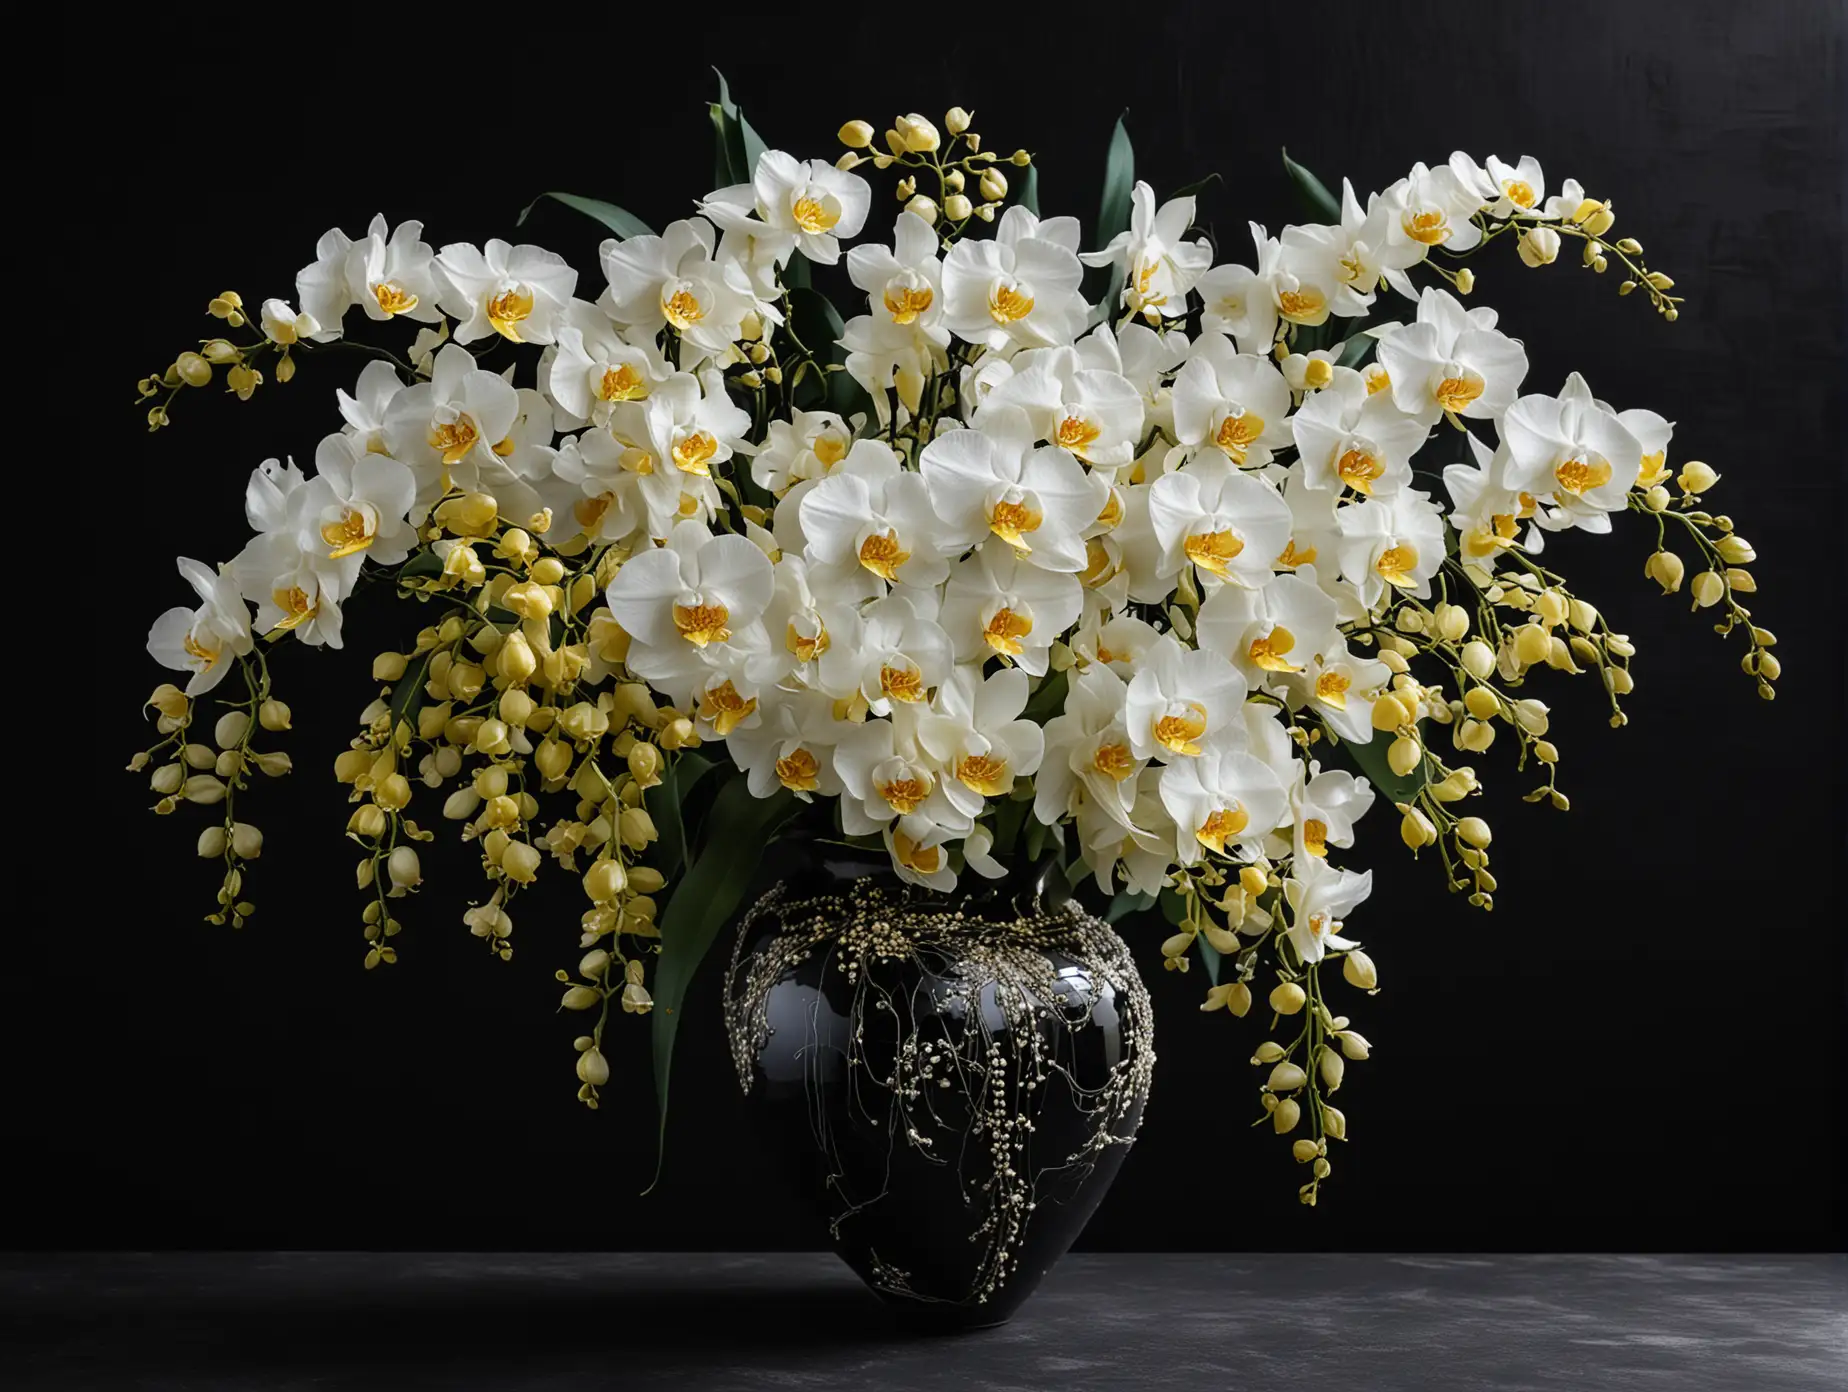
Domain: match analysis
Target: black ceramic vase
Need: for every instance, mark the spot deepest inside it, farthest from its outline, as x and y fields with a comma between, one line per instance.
x=951, y=1079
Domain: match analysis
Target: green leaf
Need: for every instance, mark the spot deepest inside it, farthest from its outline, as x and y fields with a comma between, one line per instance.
x=1197, y=187
x=665, y=801
x=738, y=146
x=737, y=829
x=1312, y=191
x=408, y=696
x=1356, y=351
x=1370, y=758
x=1113, y=211
x=1026, y=192
x=1128, y=902
x=1210, y=958
x=1173, y=907
x=619, y=220
x=1048, y=700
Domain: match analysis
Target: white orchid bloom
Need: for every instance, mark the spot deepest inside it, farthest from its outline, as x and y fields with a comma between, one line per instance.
x=1088, y=760
x=989, y=480
x=1452, y=362
x=697, y=591
x=812, y=201
x=1118, y=641
x=998, y=604
x=1225, y=801
x=360, y=501
x=1160, y=265
x=594, y=368
x=1143, y=358
x=364, y=412
x=1341, y=687
x=1093, y=413
x=323, y=288
x=1019, y=290
x=439, y=426
x=1342, y=260
x=1348, y=437
x=806, y=446
x=886, y=777
x=898, y=657
x=1572, y=452
x=1429, y=208
x=921, y=863
x=518, y=292
x=283, y=326
x=1237, y=403
x=974, y=732
x=1511, y=190
x=873, y=511
x=1181, y=700
x=791, y=746
x=978, y=854
x=392, y=273
x=904, y=282
x=1395, y=542
x=1293, y=283
x=609, y=504
x=1272, y=633
x=296, y=588
x=1326, y=807
x=808, y=615
x=674, y=281
x=1229, y=524
x=202, y=641
x=1319, y=897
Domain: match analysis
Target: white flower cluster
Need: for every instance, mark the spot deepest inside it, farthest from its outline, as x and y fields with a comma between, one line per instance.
x=879, y=636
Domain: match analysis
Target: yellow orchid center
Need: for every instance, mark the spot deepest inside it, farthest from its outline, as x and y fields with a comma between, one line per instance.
x=1302, y=304
x=1291, y=557
x=296, y=605
x=508, y=310
x=199, y=652
x=621, y=383
x=1238, y=432
x=393, y=298
x=904, y=683
x=816, y=212
x=1214, y=551
x=903, y=795
x=1331, y=689
x=681, y=308
x=926, y=860
x=829, y=448
x=701, y=624
x=799, y=771
x=1221, y=825
x=453, y=439
x=881, y=554
x=1459, y=387
x=1520, y=192
x=985, y=774
x=1008, y=304
x=1655, y=469
x=1076, y=434
x=353, y=533
x=1396, y=564
x=724, y=708
x=1012, y=519
x=1180, y=729
x=1359, y=467
x=1377, y=378
x=1583, y=473
x=1427, y=227
x=693, y=453
x=588, y=512
x=1004, y=631
x=1315, y=837
x=807, y=647
x=906, y=302
x=1114, y=761
x=1268, y=652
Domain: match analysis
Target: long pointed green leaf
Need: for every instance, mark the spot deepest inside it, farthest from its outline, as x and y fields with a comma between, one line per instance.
x=738, y=144
x=1113, y=211
x=1026, y=191
x=1312, y=191
x=702, y=904
x=623, y=223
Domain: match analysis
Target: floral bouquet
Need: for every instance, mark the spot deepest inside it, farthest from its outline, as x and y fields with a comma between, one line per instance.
x=1161, y=563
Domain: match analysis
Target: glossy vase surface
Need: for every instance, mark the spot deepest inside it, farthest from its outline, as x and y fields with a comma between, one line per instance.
x=951, y=1080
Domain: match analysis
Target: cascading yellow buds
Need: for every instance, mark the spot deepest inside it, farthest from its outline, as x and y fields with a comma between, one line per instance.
x=1539, y=246
x=1696, y=478
x=1358, y=971
x=856, y=135
x=1666, y=569
x=604, y=881
x=1708, y=589
x=993, y=184
x=1475, y=831
x=1287, y=998
x=917, y=134
x=956, y=120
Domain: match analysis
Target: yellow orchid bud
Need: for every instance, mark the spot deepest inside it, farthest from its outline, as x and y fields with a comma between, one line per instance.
x=924, y=206
x=1539, y=246
x=1288, y=1112
x=1389, y=713
x=1696, y=477
x=212, y=842
x=1287, y=998
x=1267, y=1052
x=1708, y=589
x=957, y=208
x=917, y=134
x=637, y=829
x=1482, y=702
x=520, y=862
x=1286, y=1077
x=993, y=184
x=246, y=841
x=593, y=1068
x=1415, y=829
x=553, y=759
x=368, y=821
x=604, y=881
x=856, y=135
x=1475, y=832
x=1355, y=1046
x=1332, y=1068
x=1358, y=971
x=956, y=120
x=1666, y=569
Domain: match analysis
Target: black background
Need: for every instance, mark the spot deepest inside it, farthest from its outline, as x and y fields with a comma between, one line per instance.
x=1641, y=1048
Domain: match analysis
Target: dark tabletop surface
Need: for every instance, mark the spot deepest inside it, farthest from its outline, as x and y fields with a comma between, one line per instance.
x=564, y=1321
